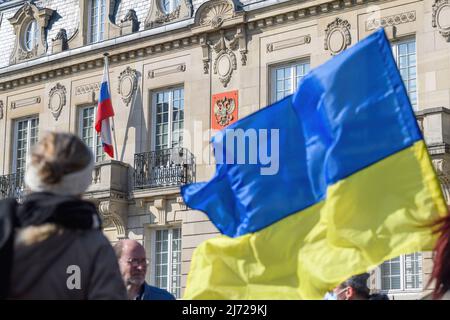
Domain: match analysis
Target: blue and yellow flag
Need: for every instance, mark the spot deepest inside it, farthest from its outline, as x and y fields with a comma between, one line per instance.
x=353, y=187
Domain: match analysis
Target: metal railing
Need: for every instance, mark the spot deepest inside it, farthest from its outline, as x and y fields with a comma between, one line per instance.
x=12, y=185
x=162, y=168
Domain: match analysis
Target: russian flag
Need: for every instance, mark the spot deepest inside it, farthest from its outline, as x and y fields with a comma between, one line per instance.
x=104, y=112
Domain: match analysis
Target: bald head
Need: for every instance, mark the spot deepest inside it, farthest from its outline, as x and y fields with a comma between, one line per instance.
x=127, y=246
x=132, y=261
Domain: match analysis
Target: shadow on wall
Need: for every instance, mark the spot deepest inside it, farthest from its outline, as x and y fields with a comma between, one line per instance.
x=136, y=120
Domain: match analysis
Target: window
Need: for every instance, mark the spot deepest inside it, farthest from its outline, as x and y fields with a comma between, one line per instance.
x=402, y=273
x=286, y=78
x=25, y=136
x=405, y=55
x=31, y=35
x=170, y=5
x=167, y=262
x=169, y=118
x=96, y=20
x=88, y=133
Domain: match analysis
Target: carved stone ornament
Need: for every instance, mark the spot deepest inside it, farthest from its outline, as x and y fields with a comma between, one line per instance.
x=130, y=21
x=127, y=84
x=113, y=213
x=337, y=36
x=157, y=15
x=225, y=61
x=57, y=100
x=60, y=41
x=1, y=109
x=441, y=18
x=20, y=21
x=215, y=13
x=392, y=20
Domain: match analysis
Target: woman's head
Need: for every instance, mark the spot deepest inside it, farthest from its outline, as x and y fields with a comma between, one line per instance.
x=59, y=163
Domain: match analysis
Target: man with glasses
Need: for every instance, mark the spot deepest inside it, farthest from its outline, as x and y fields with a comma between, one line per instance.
x=133, y=267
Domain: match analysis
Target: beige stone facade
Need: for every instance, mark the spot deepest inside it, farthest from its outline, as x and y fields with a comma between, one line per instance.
x=204, y=48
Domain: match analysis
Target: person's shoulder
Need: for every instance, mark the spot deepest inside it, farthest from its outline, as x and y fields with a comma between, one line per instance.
x=156, y=293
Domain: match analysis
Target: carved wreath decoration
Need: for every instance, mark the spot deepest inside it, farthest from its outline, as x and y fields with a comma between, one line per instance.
x=57, y=100
x=342, y=27
x=223, y=111
x=127, y=84
x=438, y=22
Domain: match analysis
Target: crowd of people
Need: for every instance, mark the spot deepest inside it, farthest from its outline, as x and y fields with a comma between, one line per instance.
x=52, y=242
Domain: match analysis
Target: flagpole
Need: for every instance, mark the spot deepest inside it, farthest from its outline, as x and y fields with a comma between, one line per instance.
x=113, y=125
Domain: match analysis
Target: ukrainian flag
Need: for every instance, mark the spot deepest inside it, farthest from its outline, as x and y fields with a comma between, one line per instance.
x=355, y=186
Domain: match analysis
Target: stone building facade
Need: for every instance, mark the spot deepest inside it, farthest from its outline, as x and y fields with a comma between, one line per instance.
x=179, y=68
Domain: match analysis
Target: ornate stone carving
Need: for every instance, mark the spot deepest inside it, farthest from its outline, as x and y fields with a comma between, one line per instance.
x=157, y=15
x=215, y=13
x=57, y=100
x=225, y=61
x=113, y=213
x=127, y=84
x=60, y=41
x=130, y=22
x=20, y=21
x=1, y=109
x=205, y=52
x=441, y=18
x=87, y=88
x=337, y=36
x=393, y=20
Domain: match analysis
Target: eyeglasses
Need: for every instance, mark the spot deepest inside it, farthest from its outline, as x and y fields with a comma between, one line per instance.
x=134, y=262
x=340, y=292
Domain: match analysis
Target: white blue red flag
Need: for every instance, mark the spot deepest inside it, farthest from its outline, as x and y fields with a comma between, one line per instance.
x=104, y=112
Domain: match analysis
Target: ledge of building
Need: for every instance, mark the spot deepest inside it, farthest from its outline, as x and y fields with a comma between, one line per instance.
x=429, y=111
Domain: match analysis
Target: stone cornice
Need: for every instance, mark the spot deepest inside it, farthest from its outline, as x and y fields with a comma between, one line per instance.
x=149, y=42
x=428, y=111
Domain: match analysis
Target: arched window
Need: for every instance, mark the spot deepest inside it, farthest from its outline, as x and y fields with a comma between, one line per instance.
x=31, y=35
x=170, y=5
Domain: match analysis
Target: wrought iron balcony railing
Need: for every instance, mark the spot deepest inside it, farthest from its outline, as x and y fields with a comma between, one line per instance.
x=162, y=168
x=12, y=185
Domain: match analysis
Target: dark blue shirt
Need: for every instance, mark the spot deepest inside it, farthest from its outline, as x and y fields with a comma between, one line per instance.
x=153, y=293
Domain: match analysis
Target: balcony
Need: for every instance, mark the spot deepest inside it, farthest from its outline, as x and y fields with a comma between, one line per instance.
x=163, y=168
x=12, y=185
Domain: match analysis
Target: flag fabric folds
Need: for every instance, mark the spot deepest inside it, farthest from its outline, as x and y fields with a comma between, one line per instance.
x=104, y=112
x=355, y=187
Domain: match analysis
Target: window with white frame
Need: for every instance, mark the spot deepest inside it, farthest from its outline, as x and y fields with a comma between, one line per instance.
x=168, y=111
x=406, y=57
x=31, y=35
x=26, y=132
x=169, y=5
x=286, y=78
x=96, y=20
x=167, y=262
x=403, y=273
x=88, y=133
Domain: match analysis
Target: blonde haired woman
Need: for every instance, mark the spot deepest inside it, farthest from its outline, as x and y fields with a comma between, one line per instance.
x=51, y=245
